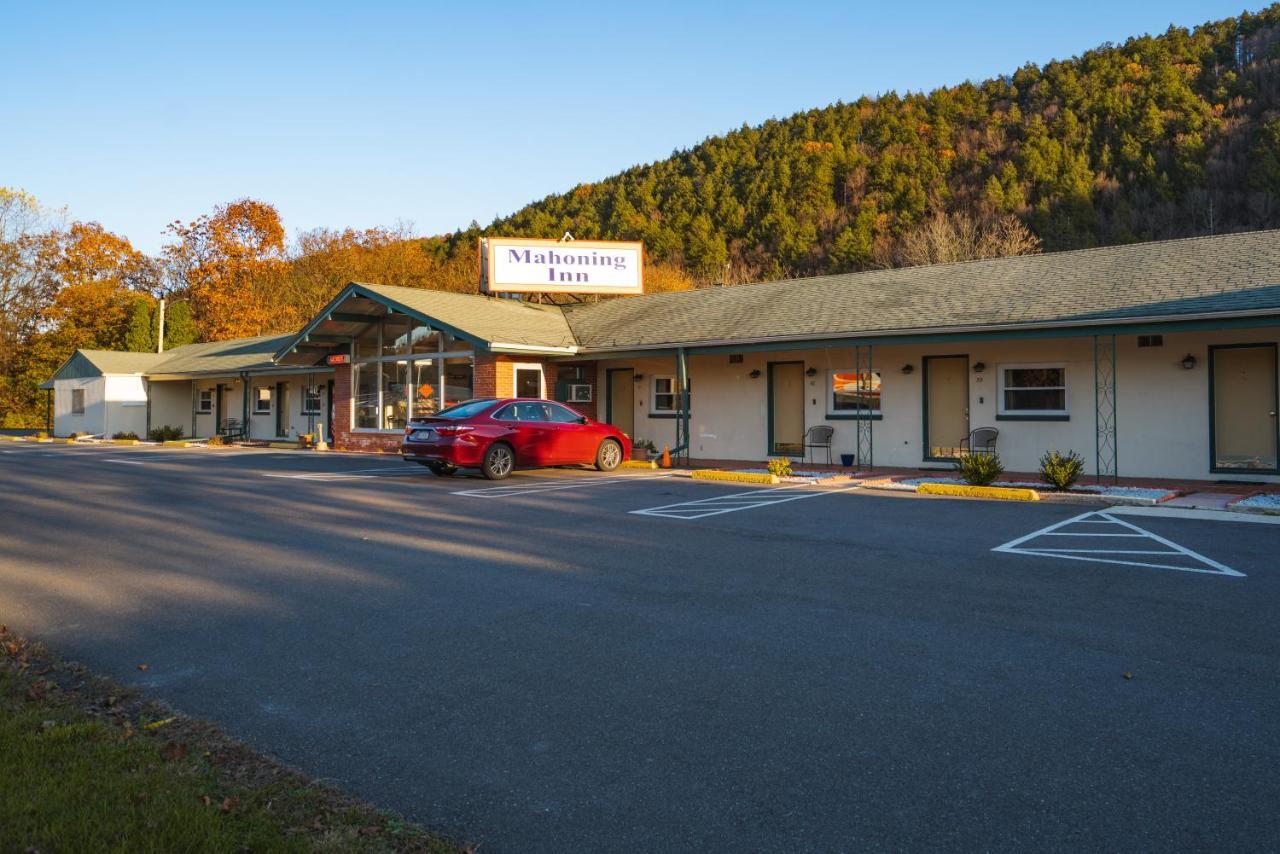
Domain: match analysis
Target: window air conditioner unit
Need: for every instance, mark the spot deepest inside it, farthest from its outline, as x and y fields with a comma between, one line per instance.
x=579, y=393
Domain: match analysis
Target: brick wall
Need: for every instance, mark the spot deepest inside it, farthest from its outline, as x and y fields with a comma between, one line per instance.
x=346, y=439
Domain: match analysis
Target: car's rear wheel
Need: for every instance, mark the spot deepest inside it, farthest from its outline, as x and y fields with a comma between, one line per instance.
x=441, y=469
x=609, y=455
x=499, y=460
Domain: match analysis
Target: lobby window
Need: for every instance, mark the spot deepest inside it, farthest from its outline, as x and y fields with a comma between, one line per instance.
x=850, y=393
x=204, y=401
x=458, y=381
x=77, y=401
x=664, y=395
x=364, y=403
x=400, y=373
x=426, y=388
x=262, y=400
x=395, y=395
x=1033, y=390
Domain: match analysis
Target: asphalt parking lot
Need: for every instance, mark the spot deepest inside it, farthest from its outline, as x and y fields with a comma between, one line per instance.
x=572, y=661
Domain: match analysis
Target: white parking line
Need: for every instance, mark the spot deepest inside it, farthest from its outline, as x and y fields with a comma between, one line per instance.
x=703, y=507
x=125, y=462
x=1171, y=552
x=389, y=470
x=511, y=490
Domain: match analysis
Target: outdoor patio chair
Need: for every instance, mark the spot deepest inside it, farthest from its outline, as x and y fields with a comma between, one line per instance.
x=980, y=441
x=818, y=437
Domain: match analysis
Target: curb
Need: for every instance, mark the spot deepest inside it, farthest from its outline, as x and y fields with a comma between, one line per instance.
x=177, y=443
x=124, y=441
x=637, y=464
x=733, y=476
x=1005, y=493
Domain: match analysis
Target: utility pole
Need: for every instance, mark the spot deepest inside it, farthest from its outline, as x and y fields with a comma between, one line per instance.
x=160, y=337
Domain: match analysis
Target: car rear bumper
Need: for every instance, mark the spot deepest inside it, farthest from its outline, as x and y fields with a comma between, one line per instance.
x=452, y=451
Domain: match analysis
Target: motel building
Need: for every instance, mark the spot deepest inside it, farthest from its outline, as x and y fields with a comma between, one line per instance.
x=1150, y=360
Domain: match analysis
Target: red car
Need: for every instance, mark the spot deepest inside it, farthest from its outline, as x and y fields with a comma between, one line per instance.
x=495, y=436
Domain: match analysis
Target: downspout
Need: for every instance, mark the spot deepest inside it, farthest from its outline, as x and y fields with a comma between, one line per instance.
x=244, y=406
x=194, y=398
x=682, y=421
x=146, y=390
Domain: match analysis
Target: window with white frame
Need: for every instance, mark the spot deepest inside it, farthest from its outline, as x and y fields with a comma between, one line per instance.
x=1033, y=389
x=851, y=393
x=527, y=380
x=204, y=401
x=262, y=400
x=311, y=400
x=77, y=401
x=664, y=396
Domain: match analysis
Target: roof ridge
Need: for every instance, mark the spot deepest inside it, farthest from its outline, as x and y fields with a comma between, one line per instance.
x=854, y=274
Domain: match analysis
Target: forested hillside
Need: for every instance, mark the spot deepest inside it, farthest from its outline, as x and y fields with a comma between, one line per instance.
x=1164, y=136
x=1160, y=137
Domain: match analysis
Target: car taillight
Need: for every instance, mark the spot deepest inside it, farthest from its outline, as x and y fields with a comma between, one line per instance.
x=454, y=430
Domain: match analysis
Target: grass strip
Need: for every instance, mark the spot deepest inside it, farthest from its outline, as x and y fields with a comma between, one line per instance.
x=86, y=765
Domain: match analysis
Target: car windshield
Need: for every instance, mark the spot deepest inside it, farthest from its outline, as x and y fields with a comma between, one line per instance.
x=466, y=409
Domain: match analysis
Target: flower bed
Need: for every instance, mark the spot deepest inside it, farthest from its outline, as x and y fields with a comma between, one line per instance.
x=1135, y=494
x=1266, y=503
x=800, y=476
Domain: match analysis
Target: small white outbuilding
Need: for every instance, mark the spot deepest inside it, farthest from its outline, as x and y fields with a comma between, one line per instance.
x=102, y=392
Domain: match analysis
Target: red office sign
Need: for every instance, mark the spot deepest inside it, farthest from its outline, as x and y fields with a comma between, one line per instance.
x=337, y=359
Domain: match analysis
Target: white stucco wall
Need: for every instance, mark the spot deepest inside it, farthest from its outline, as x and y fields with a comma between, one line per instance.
x=1162, y=408
x=65, y=422
x=112, y=404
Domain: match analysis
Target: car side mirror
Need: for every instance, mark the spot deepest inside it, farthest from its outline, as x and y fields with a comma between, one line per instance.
x=582, y=419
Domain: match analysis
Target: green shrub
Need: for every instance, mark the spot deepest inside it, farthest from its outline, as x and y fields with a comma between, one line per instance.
x=125, y=434
x=1061, y=470
x=979, y=469
x=780, y=467
x=165, y=433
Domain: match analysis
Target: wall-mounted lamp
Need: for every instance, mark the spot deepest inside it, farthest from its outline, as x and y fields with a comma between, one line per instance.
x=1188, y=361
x=908, y=368
x=637, y=377
x=812, y=372
x=979, y=367
x=755, y=375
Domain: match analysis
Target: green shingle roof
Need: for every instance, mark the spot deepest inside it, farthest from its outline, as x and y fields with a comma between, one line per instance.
x=490, y=319
x=1206, y=275
x=1170, y=279
x=121, y=362
x=238, y=354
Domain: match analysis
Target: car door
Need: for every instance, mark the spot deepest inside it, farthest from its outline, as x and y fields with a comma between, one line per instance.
x=533, y=434
x=575, y=441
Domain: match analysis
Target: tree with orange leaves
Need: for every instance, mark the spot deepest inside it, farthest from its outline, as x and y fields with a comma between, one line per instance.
x=231, y=265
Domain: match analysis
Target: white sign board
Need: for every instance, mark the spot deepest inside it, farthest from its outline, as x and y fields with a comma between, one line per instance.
x=520, y=265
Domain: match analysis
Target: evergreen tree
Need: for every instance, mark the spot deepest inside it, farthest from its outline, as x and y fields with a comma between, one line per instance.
x=140, y=337
x=179, y=326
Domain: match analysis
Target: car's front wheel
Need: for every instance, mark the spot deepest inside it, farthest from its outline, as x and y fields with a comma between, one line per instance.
x=609, y=455
x=499, y=460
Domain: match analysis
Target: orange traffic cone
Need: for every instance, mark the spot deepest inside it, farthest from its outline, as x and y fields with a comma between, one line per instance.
x=666, y=457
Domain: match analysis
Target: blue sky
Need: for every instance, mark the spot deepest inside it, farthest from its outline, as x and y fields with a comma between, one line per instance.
x=364, y=114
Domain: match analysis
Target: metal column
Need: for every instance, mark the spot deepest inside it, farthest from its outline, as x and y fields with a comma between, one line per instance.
x=682, y=421
x=1106, y=457
x=863, y=443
